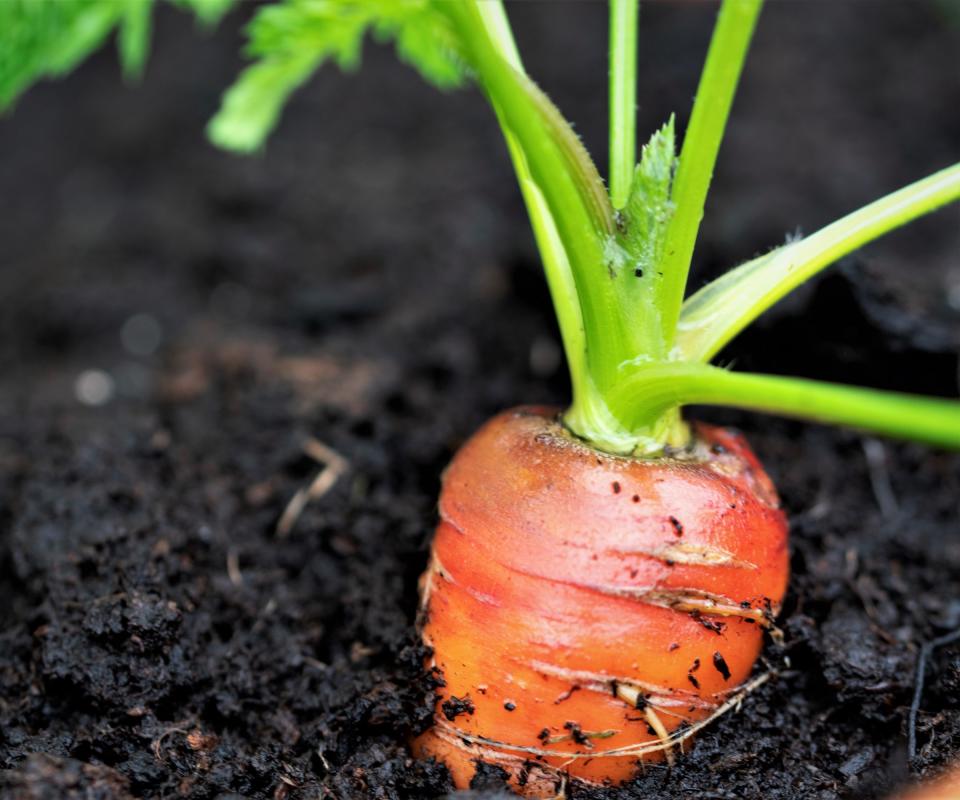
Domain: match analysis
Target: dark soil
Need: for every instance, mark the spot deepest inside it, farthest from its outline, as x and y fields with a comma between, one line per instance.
x=370, y=283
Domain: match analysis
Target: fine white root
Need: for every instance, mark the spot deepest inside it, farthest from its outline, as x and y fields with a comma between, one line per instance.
x=630, y=690
x=876, y=456
x=334, y=465
x=562, y=791
x=662, y=733
x=435, y=569
x=545, y=776
x=449, y=732
x=157, y=744
x=233, y=567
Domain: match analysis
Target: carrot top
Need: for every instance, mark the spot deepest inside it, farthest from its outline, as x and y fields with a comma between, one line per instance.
x=616, y=261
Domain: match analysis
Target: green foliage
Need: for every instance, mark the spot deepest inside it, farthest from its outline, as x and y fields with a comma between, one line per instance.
x=49, y=38
x=292, y=39
x=617, y=288
x=649, y=208
x=46, y=38
x=208, y=12
x=134, y=40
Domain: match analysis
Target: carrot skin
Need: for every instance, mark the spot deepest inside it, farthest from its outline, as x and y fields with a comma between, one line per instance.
x=945, y=787
x=581, y=603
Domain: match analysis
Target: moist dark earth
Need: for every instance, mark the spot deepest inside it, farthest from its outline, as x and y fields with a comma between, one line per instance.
x=369, y=283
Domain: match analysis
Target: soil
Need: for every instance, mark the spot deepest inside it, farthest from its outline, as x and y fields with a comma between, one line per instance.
x=369, y=283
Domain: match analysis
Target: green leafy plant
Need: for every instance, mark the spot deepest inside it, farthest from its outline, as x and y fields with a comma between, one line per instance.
x=616, y=261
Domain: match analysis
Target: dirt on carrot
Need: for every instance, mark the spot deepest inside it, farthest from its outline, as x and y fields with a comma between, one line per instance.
x=159, y=639
x=559, y=597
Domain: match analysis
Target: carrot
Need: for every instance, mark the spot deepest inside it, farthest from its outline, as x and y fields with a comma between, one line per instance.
x=583, y=606
x=945, y=787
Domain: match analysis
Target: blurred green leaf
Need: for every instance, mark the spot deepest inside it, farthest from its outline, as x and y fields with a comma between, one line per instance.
x=49, y=38
x=292, y=39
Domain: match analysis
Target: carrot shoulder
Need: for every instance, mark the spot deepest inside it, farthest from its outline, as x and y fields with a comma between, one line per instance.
x=582, y=607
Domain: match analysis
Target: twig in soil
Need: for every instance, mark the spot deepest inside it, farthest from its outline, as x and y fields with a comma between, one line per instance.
x=925, y=652
x=876, y=455
x=862, y=586
x=334, y=465
x=157, y=744
x=323, y=760
x=233, y=567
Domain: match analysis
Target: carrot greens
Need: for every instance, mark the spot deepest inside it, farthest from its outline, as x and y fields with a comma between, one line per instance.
x=49, y=38
x=617, y=263
x=714, y=315
x=623, y=97
x=701, y=144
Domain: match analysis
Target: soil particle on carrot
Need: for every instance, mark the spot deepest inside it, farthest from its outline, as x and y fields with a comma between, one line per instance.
x=721, y=665
x=713, y=625
x=690, y=676
x=576, y=733
x=454, y=706
x=567, y=694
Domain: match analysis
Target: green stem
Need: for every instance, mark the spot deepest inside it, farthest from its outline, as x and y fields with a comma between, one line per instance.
x=563, y=290
x=649, y=392
x=701, y=143
x=495, y=19
x=623, y=98
x=721, y=309
x=560, y=281
x=572, y=216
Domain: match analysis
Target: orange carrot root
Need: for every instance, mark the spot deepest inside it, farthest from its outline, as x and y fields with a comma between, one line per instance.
x=583, y=607
x=946, y=787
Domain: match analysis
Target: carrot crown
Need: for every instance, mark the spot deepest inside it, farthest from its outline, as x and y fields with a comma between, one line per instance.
x=616, y=260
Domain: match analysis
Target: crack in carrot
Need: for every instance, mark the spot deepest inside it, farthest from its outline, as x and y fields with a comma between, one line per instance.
x=691, y=554
x=627, y=689
x=687, y=600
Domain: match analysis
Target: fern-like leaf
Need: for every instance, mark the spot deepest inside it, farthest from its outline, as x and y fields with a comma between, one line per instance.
x=292, y=39
x=48, y=38
x=648, y=208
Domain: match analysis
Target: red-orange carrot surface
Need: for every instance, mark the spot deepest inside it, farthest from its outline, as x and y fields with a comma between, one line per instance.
x=946, y=787
x=581, y=607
